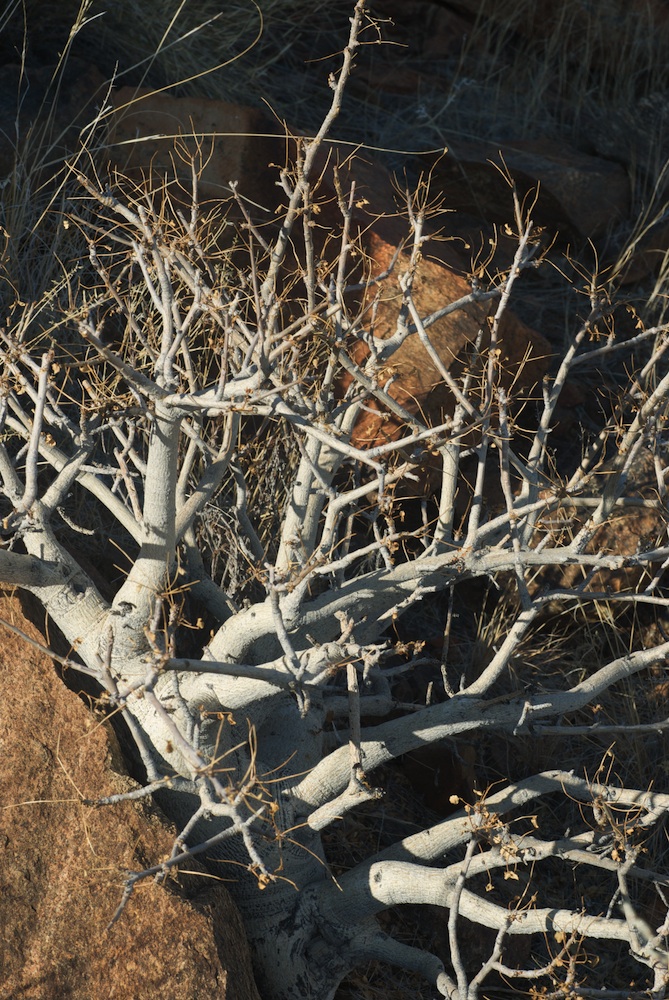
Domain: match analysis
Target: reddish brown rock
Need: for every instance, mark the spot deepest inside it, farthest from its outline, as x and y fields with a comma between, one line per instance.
x=629, y=530
x=62, y=864
x=417, y=382
x=155, y=138
x=161, y=134
x=638, y=530
x=647, y=256
x=574, y=191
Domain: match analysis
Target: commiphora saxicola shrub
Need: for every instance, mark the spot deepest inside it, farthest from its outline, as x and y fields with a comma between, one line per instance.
x=253, y=637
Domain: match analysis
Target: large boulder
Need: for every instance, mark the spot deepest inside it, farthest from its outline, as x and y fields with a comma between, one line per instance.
x=411, y=376
x=630, y=529
x=164, y=135
x=571, y=191
x=62, y=863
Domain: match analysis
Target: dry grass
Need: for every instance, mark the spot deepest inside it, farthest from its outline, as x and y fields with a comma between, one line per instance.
x=595, y=80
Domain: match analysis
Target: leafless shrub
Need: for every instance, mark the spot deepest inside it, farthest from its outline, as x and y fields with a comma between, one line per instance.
x=179, y=396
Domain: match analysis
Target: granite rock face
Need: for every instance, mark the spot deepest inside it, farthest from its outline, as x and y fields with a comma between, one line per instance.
x=62, y=863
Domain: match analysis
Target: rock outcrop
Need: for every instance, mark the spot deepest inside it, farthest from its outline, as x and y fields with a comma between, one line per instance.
x=62, y=864
x=164, y=135
x=411, y=376
x=569, y=190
